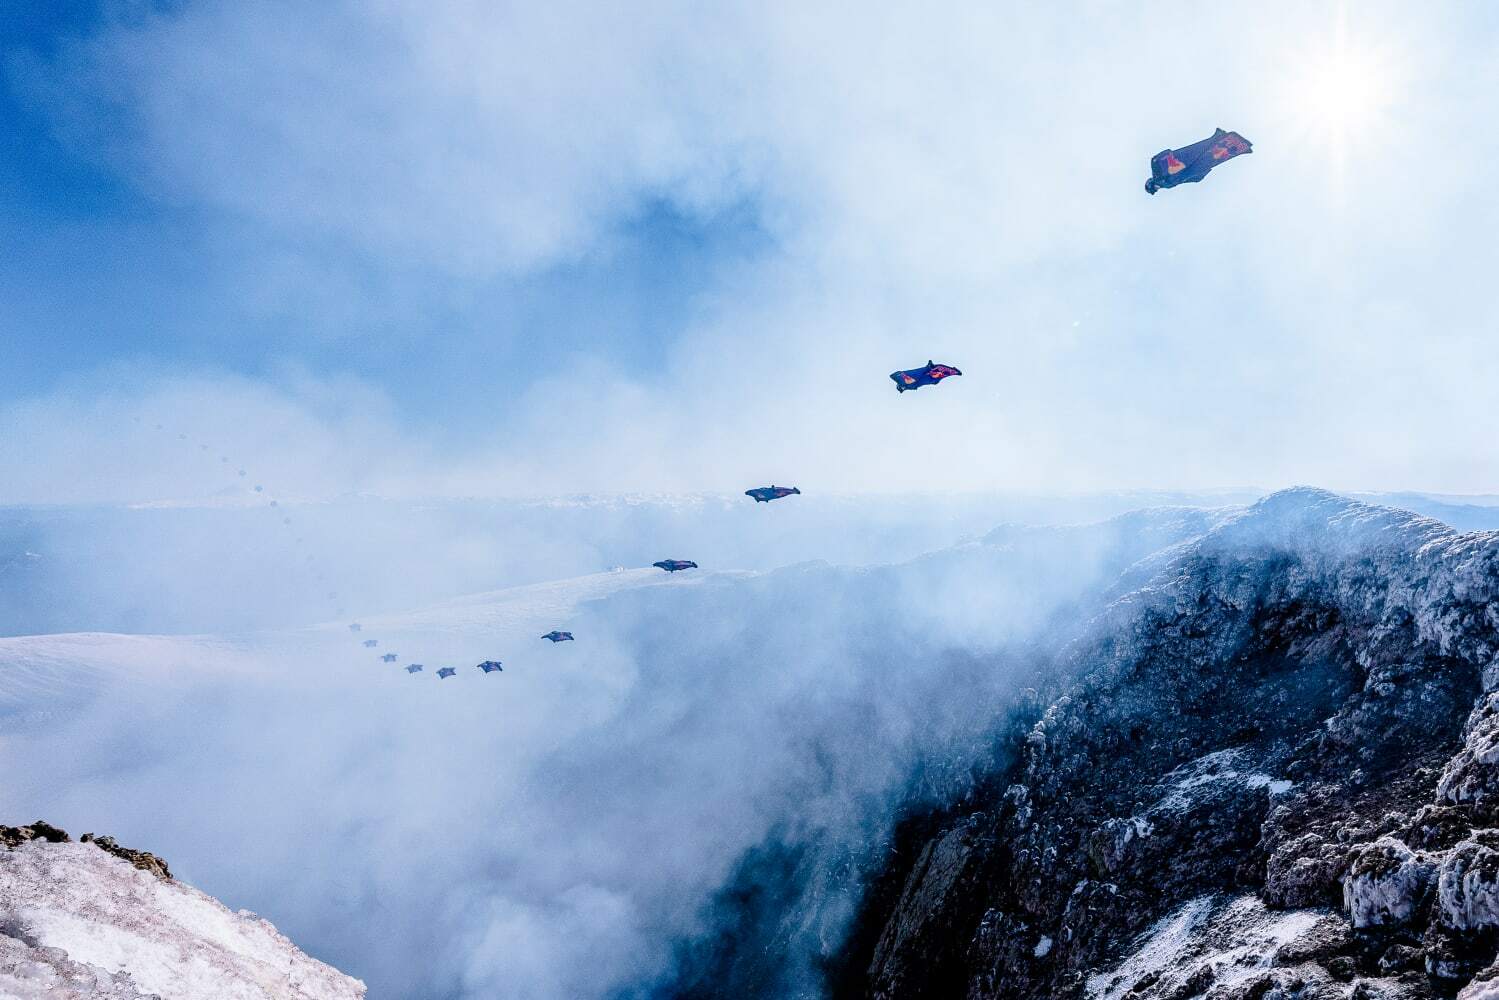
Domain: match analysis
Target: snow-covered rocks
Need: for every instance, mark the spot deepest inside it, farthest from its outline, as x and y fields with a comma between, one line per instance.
x=1468, y=887
x=1485, y=986
x=1211, y=943
x=1472, y=777
x=1276, y=714
x=1385, y=884
x=32, y=973
x=78, y=921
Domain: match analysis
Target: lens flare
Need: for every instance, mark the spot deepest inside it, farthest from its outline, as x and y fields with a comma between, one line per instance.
x=1340, y=94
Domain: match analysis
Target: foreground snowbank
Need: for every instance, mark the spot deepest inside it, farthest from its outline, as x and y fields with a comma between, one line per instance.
x=76, y=921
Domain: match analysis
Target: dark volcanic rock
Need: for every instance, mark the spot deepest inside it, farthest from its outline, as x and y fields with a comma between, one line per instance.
x=947, y=872
x=1276, y=775
x=15, y=836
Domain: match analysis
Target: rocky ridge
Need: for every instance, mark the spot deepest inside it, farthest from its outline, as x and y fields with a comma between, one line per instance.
x=1275, y=775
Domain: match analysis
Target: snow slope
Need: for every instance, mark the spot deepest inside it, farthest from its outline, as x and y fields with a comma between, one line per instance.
x=43, y=675
x=79, y=922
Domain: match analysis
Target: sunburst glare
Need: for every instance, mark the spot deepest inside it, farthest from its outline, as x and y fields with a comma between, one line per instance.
x=1340, y=93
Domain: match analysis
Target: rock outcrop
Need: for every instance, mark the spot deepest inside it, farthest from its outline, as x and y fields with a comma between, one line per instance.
x=1275, y=775
x=15, y=836
x=144, y=860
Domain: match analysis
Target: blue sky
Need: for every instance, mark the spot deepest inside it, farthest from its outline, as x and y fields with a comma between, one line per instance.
x=512, y=250
x=107, y=272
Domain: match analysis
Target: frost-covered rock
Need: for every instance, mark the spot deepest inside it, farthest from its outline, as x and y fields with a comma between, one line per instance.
x=1111, y=845
x=1210, y=944
x=1484, y=986
x=1386, y=884
x=1289, y=711
x=78, y=921
x=1468, y=887
x=1211, y=804
x=1472, y=777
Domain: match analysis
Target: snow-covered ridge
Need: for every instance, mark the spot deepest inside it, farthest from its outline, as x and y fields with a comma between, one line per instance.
x=1272, y=773
x=78, y=922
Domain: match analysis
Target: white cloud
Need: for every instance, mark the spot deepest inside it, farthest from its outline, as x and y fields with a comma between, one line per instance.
x=553, y=830
x=941, y=182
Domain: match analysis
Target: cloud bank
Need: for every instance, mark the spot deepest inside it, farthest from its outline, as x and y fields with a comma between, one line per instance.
x=557, y=829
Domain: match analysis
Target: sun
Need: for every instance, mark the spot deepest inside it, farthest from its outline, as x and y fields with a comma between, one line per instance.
x=1339, y=93
x=1346, y=92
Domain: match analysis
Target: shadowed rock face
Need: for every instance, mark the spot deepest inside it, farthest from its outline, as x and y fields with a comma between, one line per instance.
x=1276, y=776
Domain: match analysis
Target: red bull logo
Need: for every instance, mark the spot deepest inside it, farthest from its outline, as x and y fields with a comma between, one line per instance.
x=1231, y=146
x=1173, y=165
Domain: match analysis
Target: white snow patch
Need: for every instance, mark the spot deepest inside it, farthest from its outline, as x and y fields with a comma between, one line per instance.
x=1043, y=947
x=1237, y=938
x=1277, y=786
x=1480, y=989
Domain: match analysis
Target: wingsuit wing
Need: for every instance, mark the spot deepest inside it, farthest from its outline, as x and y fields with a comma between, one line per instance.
x=1192, y=163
